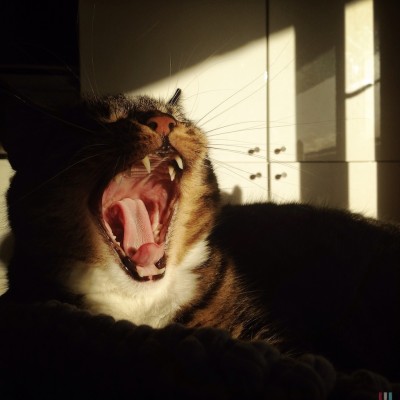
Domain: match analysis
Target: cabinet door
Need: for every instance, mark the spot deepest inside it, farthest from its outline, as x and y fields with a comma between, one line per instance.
x=344, y=185
x=322, y=81
x=242, y=182
x=332, y=105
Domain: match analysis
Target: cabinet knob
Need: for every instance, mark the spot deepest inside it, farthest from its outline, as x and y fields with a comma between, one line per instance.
x=280, y=150
x=254, y=176
x=255, y=150
x=279, y=176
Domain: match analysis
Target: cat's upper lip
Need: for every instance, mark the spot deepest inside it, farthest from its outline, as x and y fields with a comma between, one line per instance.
x=137, y=208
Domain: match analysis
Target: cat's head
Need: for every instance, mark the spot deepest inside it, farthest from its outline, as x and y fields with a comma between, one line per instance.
x=109, y=199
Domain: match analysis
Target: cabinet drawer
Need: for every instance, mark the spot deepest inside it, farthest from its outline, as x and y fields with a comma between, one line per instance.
x=242, y=182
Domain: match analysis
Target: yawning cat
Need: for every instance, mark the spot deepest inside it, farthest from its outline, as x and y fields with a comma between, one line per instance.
x=115, y=208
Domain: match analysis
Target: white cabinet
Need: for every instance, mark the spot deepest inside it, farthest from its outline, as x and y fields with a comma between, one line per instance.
x=326, y=141
x=335, y=184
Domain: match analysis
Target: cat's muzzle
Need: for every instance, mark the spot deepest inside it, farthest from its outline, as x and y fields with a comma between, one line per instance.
x=137, y=210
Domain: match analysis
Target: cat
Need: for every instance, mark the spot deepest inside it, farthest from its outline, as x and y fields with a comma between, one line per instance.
x=115, y=208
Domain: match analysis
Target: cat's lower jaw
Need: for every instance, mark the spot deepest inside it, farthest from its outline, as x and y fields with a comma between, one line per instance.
x=106, y=289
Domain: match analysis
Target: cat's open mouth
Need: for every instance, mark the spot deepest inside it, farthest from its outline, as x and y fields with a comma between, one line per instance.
x=137, y=208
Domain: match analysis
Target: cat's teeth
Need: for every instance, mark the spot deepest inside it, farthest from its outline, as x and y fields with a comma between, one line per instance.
x=156, y=234
x=146, y=163
x=140, y=273
x=172, y=172
x=156, y=220
x=160, y=271
x=179, y=161
x=118, y=178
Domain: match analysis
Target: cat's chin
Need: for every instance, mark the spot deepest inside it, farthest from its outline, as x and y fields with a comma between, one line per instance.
x=137, y=209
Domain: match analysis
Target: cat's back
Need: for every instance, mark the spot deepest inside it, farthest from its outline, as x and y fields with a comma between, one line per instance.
x=328, y=276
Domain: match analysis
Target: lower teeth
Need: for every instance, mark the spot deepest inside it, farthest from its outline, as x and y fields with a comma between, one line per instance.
x=172, y=172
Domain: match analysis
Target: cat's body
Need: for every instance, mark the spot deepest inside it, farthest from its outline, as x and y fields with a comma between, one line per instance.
x=94, y=227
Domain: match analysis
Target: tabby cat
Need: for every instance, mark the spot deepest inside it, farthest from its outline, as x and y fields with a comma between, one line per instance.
x=115, y=208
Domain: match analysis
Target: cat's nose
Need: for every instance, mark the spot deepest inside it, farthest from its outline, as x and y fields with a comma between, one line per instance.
x=162, y=124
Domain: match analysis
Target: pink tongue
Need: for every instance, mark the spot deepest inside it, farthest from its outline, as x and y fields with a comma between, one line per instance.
x=138, y=240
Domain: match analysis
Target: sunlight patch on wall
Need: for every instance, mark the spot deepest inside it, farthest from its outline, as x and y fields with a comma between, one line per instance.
x=359, y=71
x=282, y=145
x=224, y=93
x=360, y=104
x=363, y=185
x=282, y=95
x=227, y=95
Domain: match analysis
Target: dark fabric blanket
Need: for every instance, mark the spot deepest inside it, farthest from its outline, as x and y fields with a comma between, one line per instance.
x=56, y=351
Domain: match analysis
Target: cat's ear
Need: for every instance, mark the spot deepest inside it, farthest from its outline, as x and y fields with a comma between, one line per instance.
x=175, y=98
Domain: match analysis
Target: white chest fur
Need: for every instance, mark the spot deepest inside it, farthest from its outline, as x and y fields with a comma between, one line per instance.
x=108, y=290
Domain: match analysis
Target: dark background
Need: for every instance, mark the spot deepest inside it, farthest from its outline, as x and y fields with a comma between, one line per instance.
x=39, y=33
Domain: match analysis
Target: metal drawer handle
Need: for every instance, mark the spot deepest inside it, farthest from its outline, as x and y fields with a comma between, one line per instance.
x=255, y=150
x=279, y=176
x=254, y=176
x=281, y=150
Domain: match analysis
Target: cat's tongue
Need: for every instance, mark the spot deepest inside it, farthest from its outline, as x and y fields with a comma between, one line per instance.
x=138, y=241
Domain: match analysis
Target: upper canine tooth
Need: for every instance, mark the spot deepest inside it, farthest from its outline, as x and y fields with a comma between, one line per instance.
x=146, y=163
x=172, y=172
x=179, y=161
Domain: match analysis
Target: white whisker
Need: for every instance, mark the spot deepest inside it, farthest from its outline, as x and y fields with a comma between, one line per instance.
x=237, y=152
x=224, y=140
x=227, y=99
x=59, y=173
x=238, y=130
x=235, y=104
x=234, y=124
x=236, y=171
